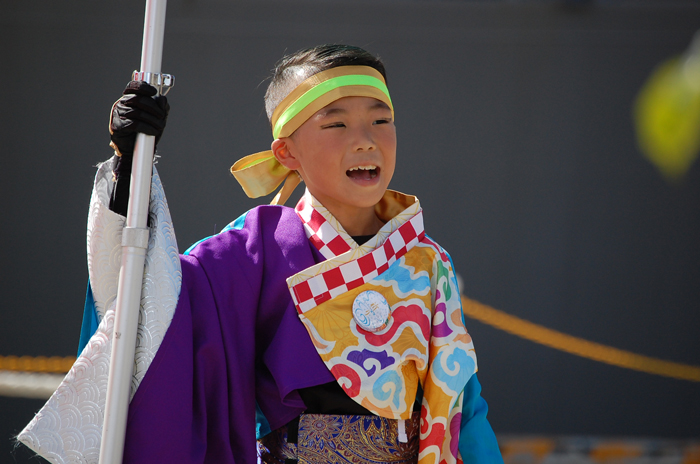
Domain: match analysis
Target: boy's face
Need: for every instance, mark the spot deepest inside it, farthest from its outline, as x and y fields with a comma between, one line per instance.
x=330, y=149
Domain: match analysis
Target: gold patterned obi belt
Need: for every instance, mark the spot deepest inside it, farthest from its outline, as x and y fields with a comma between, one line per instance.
x=329, y=438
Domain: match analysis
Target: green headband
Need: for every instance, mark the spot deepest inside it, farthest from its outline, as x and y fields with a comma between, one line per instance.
x=324, y=88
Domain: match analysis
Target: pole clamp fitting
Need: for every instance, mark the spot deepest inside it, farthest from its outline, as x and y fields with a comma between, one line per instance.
x=135, y=237
x=162, y=82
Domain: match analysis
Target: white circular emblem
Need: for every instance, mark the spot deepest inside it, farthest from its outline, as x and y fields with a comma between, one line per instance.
x=371, y=311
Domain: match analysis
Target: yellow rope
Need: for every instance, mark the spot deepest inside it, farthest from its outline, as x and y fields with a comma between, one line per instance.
x=481, y=312
x=55, y=364
x=578, y=346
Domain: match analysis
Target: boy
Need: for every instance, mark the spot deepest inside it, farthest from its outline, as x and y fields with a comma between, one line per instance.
x=335, y=327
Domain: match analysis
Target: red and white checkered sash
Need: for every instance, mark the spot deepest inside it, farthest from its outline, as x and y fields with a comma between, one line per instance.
x=336, y=276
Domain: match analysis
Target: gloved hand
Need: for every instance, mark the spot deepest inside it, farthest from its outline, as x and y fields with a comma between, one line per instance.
x=137, y=111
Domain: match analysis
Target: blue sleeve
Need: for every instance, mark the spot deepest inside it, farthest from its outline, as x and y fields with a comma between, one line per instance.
x=477, y=442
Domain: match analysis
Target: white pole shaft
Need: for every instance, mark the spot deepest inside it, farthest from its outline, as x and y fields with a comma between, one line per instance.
x=133, y=259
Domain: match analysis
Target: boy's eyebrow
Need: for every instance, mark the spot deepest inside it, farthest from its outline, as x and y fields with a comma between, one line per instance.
x=380, y=105
x=331, y=111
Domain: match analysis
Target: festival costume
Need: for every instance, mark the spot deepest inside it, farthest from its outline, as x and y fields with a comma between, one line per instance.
x=260, y=311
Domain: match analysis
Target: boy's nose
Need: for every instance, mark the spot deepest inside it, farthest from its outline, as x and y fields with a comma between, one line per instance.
x=364, y=141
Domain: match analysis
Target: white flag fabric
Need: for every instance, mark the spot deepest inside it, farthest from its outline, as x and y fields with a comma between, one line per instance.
x=69, y=426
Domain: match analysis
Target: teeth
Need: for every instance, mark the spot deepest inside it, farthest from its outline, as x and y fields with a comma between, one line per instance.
x=369, y=167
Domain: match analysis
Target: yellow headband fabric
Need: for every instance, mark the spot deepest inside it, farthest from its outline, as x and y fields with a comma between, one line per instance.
x=260, y=174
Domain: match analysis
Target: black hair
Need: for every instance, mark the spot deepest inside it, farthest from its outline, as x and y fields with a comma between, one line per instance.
x=293, y=69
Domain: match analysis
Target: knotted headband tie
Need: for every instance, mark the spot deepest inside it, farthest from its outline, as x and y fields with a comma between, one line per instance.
x=260, y=174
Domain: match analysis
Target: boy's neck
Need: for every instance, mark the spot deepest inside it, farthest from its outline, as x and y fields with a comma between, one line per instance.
x=355, y=220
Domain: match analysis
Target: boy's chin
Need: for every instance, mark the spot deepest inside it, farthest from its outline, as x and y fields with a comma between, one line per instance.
x=370, y=200
x=361, y=200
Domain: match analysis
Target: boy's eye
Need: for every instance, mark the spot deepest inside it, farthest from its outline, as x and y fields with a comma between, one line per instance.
x=335, y=124
x=382, y=121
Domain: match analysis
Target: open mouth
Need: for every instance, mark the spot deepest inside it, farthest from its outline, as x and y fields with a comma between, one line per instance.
x=367, y=172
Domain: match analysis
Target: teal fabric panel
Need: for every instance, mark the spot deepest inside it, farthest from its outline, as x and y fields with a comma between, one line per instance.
x=262, y=426
x=90, y=322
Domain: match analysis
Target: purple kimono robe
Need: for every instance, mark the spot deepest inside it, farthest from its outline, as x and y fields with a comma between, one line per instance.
x=235, y=337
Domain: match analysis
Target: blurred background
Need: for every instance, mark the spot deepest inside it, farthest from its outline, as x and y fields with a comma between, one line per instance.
x=551, y=143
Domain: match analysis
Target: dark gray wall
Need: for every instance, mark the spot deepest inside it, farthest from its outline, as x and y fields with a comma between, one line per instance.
x=514, y=130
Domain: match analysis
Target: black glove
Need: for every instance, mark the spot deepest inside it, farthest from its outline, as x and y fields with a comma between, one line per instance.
x=137, y=111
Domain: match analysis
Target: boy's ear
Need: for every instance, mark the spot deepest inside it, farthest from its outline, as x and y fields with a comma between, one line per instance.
x=283, y=153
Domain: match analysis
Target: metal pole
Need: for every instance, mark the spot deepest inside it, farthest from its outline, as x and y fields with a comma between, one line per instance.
x=134, y=244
